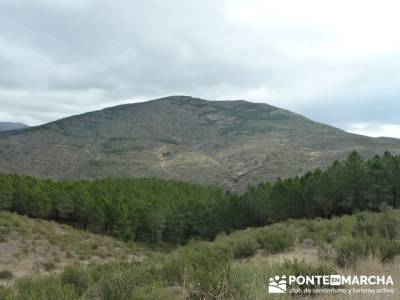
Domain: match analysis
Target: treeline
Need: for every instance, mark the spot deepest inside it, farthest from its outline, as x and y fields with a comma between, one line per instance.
x=156, y=210
x=148, y=210
x=345, y=187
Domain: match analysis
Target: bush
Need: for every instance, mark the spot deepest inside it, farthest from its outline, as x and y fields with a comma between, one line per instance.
x=5, y=294
x=247, y=282
x=363, y=227
x=48, y=288
x=243, y=247
x=3, y=238
x=350, y=249
x=276, y=241
x=389, y=249
x=389, y=225
x=115, y=286
x=77, y=277
x=6, y=275
x=121, y=280
x=48, y=266
x=202, y=269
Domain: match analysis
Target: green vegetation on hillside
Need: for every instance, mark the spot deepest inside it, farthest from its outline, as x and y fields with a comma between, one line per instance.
x=154, y=210
x=213, y=270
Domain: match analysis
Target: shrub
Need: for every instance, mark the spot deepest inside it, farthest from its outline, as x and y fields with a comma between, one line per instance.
x=5, y=294
x=349, y=249
x=389, y=225
x=94, y=246
x=247, y=282
x=115, y=286
x=121, y=280
x=48, y=266
x=202, y=269
x=6, y=275
x=243, y=247
x=389, y=249
x=363, y=226
x=276, y=241
x=4, y=230
x=77, y=277
x=3, y=238
x=47, y=288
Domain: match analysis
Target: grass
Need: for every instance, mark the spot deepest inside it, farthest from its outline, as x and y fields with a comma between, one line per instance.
x=29, y=244
x=234, y=266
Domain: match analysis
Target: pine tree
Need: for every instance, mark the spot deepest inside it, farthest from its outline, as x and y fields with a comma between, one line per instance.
x=6, y=193
x=355, y=175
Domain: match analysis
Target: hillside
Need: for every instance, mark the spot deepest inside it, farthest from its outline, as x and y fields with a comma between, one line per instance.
x=30, y=246
x=168, y=211
x=5, y=126
x=236, y=266
x=228, y=143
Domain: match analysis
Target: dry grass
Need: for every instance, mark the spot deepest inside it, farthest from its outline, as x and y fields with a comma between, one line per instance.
x=371, y=265
x=309, y=255
x=39, y=247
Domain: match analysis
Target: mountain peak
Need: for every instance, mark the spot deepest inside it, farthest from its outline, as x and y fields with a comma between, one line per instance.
x=229, y=143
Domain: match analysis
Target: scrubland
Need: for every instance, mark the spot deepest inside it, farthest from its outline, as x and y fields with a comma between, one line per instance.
x=44, y=261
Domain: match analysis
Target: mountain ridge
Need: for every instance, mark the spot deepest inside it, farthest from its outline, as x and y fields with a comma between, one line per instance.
x=228, y=143
x=7, y=126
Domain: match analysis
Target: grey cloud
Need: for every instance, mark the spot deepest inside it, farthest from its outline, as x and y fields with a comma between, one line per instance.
x=64, y=57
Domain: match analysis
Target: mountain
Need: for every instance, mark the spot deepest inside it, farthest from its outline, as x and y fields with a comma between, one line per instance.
x=5, y=126
x=228, y=143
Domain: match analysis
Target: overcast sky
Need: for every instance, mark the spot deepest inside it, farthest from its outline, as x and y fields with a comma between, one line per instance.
x=337, y=62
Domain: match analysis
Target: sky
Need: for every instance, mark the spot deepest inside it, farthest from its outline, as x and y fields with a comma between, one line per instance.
x=336, y=62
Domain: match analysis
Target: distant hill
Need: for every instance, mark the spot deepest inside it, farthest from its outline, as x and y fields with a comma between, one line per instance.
x=4, y=126
x=228, y=143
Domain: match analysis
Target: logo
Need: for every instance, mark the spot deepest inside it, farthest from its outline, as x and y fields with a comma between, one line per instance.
x=315, y=284
x=335, y=280
x=277, y=285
